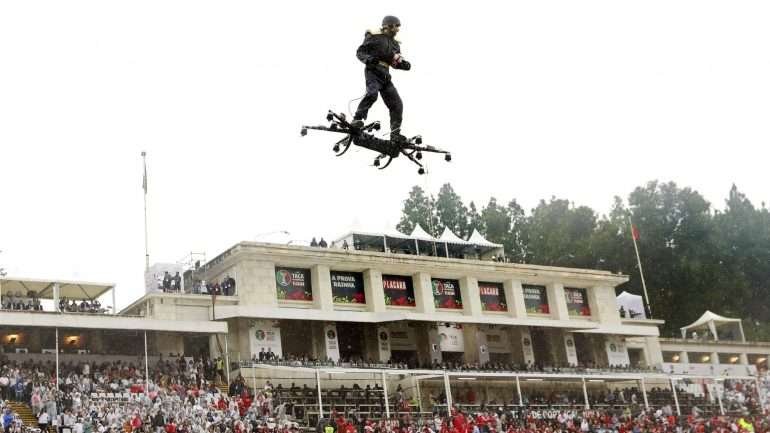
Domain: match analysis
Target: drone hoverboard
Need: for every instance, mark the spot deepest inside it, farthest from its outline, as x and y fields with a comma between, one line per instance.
x=363, y=137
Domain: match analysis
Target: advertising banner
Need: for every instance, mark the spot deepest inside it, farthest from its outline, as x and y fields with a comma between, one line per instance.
x=399, y=291
x=617, y=352
x=402, y=337
x=451, y=337
x=498, y=340
x=577, y=301
x=332, y=345
x=526, y=347
x=293, y=284
x=265, y=336
x=492, y=296
x=383, y=343
x=348, y=287
x=446, y=294
x=535, y=299
x=569, y=346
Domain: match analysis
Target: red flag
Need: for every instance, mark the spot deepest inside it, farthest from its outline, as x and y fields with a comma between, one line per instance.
x=634, y=232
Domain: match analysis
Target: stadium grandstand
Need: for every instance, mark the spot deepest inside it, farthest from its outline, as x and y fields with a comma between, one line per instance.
x=376, y=332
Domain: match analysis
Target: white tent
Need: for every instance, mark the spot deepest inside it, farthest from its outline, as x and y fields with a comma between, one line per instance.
x=633, y=304
x=421, y=234
x=449, y=237
x=712, y=321
x=477, y=239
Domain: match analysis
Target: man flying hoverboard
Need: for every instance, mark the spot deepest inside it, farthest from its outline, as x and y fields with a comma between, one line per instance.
x=380, y=51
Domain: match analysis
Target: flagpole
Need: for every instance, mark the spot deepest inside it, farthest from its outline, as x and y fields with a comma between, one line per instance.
x=144, y=187
x=641, y=272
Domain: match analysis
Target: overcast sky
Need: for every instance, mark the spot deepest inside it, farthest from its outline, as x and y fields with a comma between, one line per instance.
x=578, y=99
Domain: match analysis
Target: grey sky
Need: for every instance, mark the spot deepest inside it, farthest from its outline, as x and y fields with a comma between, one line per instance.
x=583, y=100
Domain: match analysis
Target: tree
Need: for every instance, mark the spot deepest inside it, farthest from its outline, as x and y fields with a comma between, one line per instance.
x=560, y=234
x=474, y=220
x=451, y=212
x=497, y=222
x=418, y=209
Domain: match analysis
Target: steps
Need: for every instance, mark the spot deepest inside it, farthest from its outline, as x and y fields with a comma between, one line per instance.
x=24, y=411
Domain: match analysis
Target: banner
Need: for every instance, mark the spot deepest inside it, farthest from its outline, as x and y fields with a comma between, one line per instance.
x=569, y=347
x=402, y=337
x=498, y=340
x=332, y=345
x=535, y=299
x=617, y=352
x=398, y=290
x=446, y=294
x=383, y=343
x=451, y=337
x=526, y=347
x=293, y=284
x=348, y=287
x=265, y=336
x=577, y=301
x=492, y=297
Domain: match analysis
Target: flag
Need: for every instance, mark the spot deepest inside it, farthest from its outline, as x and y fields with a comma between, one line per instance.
x=634, y=232
x=144, y=178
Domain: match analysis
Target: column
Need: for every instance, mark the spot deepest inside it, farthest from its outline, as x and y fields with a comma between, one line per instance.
x=448, y=392
x=684, y=358
x=375, y=298
x=644, y=394
x=472, y=344
x=469, y=289
x=318, y=387
x=585, y=394
x=385, y=395
x=514, y=296
x=744, y=359
x=676, y=399
x=557, y=304
x=423, y=293
x=518, y=391
x=322, y=288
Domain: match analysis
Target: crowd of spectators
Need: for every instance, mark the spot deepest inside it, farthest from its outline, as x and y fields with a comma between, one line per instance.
x=15, y=301
x=182, y=396
x=304, y=360
x=81, y=306
x=173, y=284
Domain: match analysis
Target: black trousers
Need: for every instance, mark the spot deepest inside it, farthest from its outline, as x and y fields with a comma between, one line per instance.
x=378, y=81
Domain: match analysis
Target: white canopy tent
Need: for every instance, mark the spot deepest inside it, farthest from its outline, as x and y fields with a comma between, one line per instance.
x=712, y=321
x=632, y=304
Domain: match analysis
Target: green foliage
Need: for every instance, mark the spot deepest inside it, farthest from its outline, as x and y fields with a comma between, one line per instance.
x=694, y=257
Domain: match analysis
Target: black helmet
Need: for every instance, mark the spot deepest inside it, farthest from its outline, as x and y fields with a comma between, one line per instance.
x=390, y=20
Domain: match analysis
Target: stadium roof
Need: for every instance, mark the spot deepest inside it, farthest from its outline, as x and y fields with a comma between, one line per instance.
x=18, y=286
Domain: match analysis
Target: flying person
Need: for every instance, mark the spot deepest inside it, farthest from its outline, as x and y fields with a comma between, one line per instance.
x=381, y=51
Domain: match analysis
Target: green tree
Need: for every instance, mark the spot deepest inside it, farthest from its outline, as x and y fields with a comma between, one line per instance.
x=419, y=209
x=451, y=212
x=474, y=220
x=560, y=234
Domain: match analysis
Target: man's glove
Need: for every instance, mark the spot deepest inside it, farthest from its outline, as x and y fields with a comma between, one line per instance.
x=404, y=65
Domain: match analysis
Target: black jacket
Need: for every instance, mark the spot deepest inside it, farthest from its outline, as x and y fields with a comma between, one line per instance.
x=378, y=47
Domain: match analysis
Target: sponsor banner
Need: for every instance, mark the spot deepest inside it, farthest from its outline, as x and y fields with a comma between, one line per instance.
x=383, y=343
x=446, y=294
x=492, y=297
x=569, y=346
x=617, y=352
x=348, y=287
x=498, y=341
x=435, y=344
x=577, y=301
x=524, y=413
x=265, y=334
x=402, y=337
x=481, y=340
x=293, y=284
x=332, y=344
x=399, y=291
x=535, y=299
x=451, y=337
x=526, y=347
